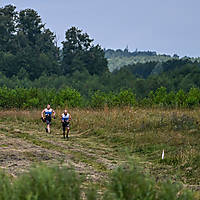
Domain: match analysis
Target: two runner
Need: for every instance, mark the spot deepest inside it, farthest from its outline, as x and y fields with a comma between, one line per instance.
x=65, y=119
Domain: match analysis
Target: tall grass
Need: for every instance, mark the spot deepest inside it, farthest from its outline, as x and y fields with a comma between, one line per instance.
x=144, y=132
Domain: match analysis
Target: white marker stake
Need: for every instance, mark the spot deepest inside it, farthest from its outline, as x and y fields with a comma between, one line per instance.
x=163, y=154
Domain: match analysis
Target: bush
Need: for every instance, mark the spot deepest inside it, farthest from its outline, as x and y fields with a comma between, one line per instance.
x=128, y=183
x=5, y=187
x=126, y=98
x=98, y=100
x=160, y=96
x=69, y=97
x=48, y=183
x=56, y=183
x=37, y=98
x=170, y=191
x=193, y=97
x=180, y=98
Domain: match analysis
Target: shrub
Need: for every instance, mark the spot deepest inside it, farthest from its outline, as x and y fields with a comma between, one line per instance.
x=91, y=194
x=128, y=183
x=160, y=96
x=37, y=98
x=48, y=183
x=32, y=103
x=180, y=98
x=5, y=187
x=193, y=97
x=98, y=100
x=69, y=97
x=171, y=99
x=172, y=191
x=126, y=98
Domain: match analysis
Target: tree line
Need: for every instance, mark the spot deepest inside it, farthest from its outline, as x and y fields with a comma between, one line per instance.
x=31, y=59
x=139, y=78
x=28, y=48
x=37, y=98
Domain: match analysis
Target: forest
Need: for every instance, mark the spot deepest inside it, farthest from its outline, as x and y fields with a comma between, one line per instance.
x=30, y=58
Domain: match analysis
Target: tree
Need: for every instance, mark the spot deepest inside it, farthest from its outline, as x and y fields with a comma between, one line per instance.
x=30, y=25
x=7, y=27
x=95, y=61
x=79, y=53
x=37, y=50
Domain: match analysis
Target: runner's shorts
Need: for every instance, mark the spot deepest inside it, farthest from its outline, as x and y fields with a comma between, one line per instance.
x=48, y=120
x=64, y=125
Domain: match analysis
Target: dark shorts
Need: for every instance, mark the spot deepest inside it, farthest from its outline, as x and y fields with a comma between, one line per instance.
x=48, y=120
x=65, y=125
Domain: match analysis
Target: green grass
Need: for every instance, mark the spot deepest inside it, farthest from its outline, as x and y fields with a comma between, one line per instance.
x=102, y=139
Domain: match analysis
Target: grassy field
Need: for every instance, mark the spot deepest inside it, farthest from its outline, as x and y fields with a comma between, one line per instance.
x=101, y=140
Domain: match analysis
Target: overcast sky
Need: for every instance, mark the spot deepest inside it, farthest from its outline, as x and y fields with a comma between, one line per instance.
x=165, y=26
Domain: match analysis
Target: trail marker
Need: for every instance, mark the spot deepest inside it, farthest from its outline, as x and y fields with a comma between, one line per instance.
x=163, y=154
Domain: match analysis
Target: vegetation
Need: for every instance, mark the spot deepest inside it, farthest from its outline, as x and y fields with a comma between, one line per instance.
x=30, y=58
x=120, y=58
x=98, y=144
x=79, y=54
x=28, y=49
x=127, y=108
x=37, y=98
x=141, y=79
x=129, y=183
x=62, y=183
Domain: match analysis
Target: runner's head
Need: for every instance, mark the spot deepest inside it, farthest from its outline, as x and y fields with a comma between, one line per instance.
x=48, y=106
x=65, y=112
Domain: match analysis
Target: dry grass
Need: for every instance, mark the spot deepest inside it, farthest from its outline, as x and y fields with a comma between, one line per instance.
x=142, y=133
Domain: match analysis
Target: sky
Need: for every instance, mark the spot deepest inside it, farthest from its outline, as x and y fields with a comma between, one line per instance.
x=165, y=26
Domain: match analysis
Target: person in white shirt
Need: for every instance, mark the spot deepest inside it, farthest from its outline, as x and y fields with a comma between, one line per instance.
x=49, y=112
x=65, y=119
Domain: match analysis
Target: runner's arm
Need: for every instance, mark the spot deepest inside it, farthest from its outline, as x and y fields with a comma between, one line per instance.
x=54, y=113
x=61, y=119
x=70, y=118
x=42, y=113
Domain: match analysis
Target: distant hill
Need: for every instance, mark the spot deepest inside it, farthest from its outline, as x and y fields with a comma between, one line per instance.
x=119, y=58
x=110, y=53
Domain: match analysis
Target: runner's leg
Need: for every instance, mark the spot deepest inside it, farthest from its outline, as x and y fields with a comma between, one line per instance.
x=63, y=130
x=67, y=131
x=48, y=128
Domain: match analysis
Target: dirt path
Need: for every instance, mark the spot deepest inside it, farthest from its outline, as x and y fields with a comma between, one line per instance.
x=21, y=146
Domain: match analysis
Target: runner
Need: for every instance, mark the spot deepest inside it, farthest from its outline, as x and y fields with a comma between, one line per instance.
x=65, y=119
x=48, y=115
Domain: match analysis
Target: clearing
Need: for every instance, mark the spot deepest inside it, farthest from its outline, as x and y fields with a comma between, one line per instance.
x=102, y=140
